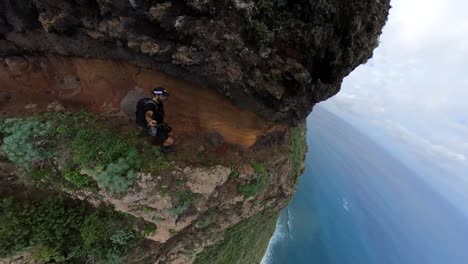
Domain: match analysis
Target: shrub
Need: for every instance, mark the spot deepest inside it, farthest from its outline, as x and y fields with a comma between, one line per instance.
x=70, y=123
x=54, y=221
x=111, y=258
x=120, y=176
x=122, y=239
x=91, y=147
x=42, y=177
x=149, y=229
x=248, y=190
x=49, y=224
x=86, y=146
x=258, y=183
x=104, y=237
x=26, y=141
x=79, y=180
x=118, y=158
x=63, y=231
x=14, y=234
x=95, y=232
x=260, y=33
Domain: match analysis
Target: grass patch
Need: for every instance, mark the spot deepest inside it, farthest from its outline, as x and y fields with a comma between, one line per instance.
x=298, y=149
x=153, y=159
x=259, y=182
x=243, y=243
x=66, y=231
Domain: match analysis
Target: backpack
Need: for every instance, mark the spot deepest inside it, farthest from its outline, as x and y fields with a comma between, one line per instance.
x=140, y=113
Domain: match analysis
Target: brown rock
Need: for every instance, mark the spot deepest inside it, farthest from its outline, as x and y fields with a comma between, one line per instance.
x=186, y=56
x=205, y=181
x=246, y=169
x=17, y=66
x=30, y=106
x=55, y=106
x=158, y=11
x=150, y=48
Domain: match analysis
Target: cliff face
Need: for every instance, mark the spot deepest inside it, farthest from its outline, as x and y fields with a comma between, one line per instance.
x=240, y=74
x=275, y=58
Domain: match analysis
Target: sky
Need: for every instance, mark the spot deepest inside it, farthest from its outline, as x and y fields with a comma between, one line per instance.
x=412, y=96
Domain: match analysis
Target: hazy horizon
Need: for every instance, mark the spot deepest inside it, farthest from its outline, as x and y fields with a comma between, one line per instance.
x=410, y=97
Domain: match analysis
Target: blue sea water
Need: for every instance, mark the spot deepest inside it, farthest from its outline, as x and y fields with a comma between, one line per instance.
x=358, y=204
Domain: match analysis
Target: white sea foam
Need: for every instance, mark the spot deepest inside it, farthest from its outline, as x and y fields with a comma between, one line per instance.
x=345, y=204
x=290, y=224
x=281, y=232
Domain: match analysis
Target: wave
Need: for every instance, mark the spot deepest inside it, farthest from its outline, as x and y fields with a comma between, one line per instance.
x=281, y=233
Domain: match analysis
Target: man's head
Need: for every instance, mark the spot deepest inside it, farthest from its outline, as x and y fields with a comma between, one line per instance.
x=160, y=94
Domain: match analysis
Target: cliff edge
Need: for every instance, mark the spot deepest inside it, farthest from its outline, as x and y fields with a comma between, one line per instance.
x=79, y=183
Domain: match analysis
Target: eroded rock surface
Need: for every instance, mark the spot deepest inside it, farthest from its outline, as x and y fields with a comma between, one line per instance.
x=57, y=83
x=274, y=58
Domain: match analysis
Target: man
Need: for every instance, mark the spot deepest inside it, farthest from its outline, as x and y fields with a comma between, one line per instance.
x=154, y=115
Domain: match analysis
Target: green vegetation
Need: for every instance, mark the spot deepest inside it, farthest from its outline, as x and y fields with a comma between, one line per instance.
x=56, y=147
x=298, y=149
x=119, y=176
x=243, y=243
x=153, y=159
x=260, y=33
x=79, y=180
x=149, y=229
x=207, y=219
x=60, y=230
x=259, y=182
x=234, y=173
x=27, y=141
x=184, y=198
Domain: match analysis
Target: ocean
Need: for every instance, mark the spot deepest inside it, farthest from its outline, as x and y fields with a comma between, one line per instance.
x=358, y=204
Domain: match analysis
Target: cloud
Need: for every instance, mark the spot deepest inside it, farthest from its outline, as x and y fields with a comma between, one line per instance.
x=357, y=105
x=423, y=146
x=415, y=87
x=416, y=24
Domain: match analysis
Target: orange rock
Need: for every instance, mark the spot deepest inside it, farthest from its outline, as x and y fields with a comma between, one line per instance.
x=107, y=86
